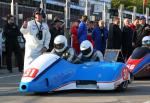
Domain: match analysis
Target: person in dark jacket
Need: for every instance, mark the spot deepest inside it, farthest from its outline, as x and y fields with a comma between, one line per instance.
x=143, y=29
x=127, y=35
x=114, y=35
x=133, y=26
x=11, y=32
x=83, y=30
x=55, y=31
x=99, y=36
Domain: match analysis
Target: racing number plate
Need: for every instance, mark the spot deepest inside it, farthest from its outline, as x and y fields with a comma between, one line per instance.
x=30, y=72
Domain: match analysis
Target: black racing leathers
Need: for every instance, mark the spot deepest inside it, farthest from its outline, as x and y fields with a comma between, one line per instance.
x=11, y=32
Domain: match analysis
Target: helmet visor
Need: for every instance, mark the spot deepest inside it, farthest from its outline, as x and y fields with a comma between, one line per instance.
x=147, y=42
x=86, y=52
x=59, y=46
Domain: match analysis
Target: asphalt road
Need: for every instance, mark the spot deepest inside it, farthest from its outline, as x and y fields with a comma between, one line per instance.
x=138, y=92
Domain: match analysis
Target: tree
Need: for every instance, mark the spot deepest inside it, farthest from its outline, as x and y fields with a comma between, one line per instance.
x=129, y=4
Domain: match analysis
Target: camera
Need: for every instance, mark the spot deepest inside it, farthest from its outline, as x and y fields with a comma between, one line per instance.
x=39, y=35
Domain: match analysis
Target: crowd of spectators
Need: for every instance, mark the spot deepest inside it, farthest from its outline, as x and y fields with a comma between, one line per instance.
x=40, y=38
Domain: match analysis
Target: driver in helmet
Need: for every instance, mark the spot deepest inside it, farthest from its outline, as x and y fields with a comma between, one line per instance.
x=61, y=49
x=88, y=53
x=146, y=42
x=142, y=51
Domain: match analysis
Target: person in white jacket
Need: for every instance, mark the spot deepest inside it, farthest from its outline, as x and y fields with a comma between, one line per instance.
x=37, y=36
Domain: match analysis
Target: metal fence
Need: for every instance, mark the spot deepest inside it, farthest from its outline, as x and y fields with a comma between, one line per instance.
x=27, y=12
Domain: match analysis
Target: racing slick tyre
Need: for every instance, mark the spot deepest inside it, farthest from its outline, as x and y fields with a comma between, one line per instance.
x=123, y=86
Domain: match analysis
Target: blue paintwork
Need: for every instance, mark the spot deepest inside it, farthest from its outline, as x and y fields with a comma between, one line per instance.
x=63, y=72
x=145, y=61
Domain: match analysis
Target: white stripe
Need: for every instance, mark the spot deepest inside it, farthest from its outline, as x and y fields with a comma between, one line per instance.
x=8, y=84
x=9, y=76
x=147, y=101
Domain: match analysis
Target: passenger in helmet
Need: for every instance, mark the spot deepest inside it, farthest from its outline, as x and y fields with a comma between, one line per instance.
x=61, y=49
x=146, y=41
x=88, y=53
x=140, y=52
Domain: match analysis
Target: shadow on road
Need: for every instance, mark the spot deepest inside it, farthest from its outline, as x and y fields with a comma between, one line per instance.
x=132, y=91
x=137, y=88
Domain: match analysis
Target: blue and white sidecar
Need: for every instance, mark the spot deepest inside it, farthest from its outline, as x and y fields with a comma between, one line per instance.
x=50, y=73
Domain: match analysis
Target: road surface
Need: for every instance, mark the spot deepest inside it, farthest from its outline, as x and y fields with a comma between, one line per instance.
x=138, y=92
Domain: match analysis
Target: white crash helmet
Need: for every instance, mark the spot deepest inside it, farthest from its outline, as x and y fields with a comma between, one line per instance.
x=146, y=40
x=60, y=43
x=86, y=48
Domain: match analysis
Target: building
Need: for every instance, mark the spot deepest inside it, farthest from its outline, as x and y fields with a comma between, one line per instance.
x=54, y=7
x=95, y=7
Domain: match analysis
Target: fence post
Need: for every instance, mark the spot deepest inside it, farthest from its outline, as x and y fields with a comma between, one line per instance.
x=1, y=48
x=67, y=20
x=12, y=7
x=121, y=15
x=16, y=5
x=134, y=13
x=147, y=15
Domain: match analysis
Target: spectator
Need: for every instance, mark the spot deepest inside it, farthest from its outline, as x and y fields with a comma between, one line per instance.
x=55, y=30
x=127, y=35
x=90, y=27
x=143, y=29
x=99, y=36
x=88, y=53
x=61, y=49
x=75, y=42
x=83, y=30
x=133, y=26
x=37, y=36
x=11, y=33
x=114, y=35
x=90, y=30
x=96, y=24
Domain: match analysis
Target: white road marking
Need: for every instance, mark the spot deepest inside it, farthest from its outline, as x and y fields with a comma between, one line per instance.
x=8, y=83
x=147, y=101
x=9, y=76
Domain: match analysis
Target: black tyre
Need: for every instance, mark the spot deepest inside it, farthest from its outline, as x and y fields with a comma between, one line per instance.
x=123, y=86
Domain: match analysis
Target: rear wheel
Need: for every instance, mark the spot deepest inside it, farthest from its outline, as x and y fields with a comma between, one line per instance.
x=123, y=86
